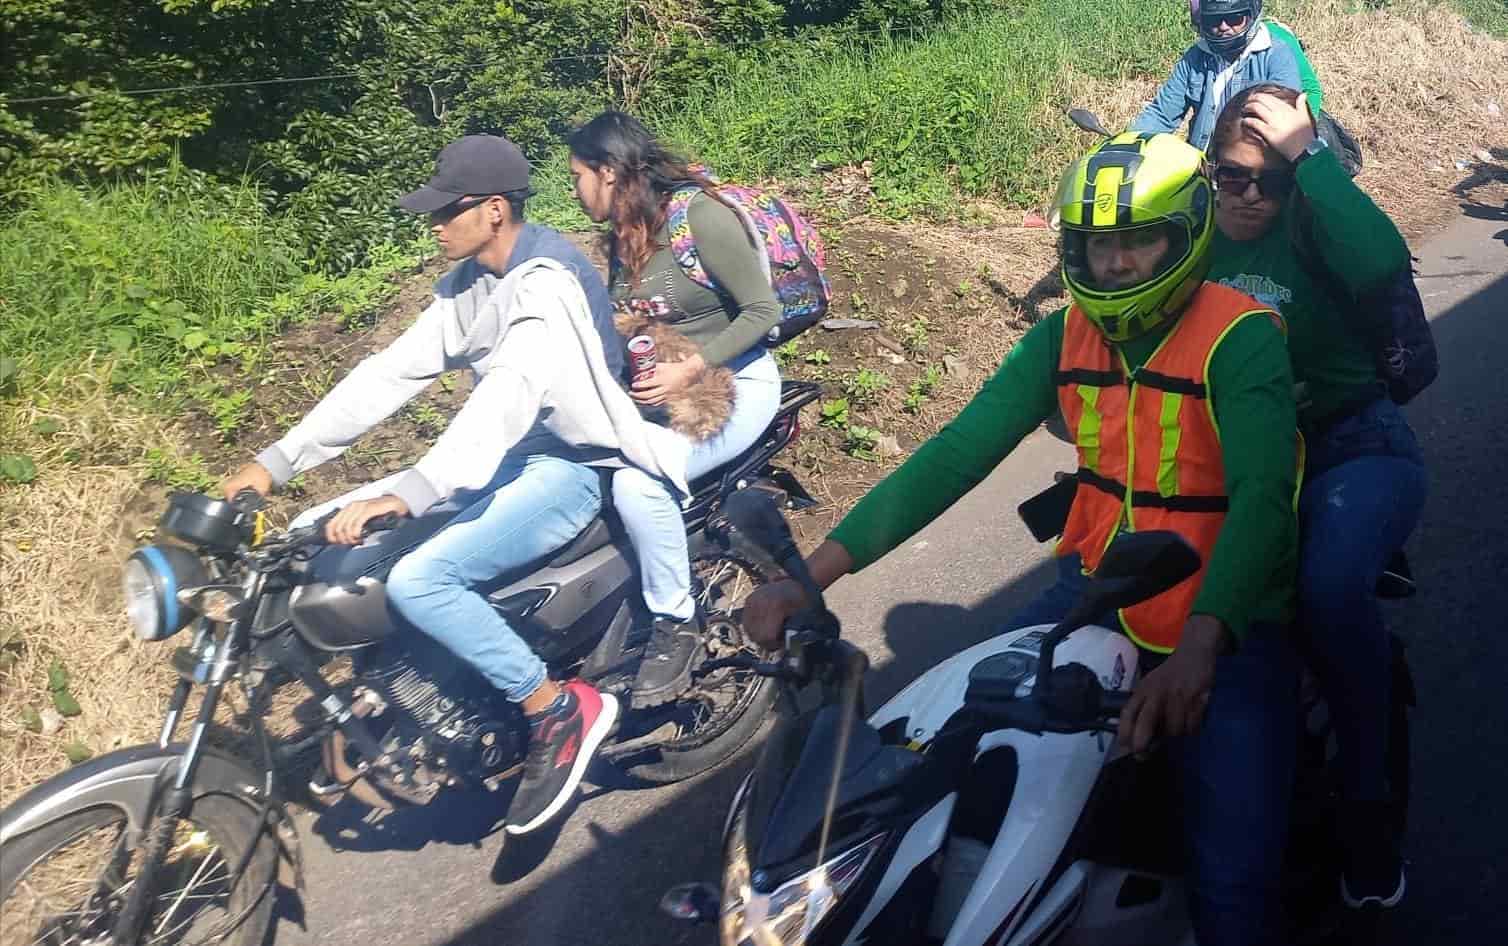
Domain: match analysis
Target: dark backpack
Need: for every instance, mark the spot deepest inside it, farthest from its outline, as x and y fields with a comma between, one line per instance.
x=1390, y=317
x=1341, y=141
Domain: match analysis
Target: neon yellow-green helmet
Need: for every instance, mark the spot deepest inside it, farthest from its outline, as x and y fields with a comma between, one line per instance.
x=1130, y=191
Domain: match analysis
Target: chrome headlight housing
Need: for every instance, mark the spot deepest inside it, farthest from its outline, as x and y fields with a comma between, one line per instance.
x=152, y=579
x=788, y=915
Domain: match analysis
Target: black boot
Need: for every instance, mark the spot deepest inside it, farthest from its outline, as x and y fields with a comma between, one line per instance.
x=665, y=672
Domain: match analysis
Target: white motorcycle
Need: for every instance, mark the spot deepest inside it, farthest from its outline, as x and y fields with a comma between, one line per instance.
x=985, y=804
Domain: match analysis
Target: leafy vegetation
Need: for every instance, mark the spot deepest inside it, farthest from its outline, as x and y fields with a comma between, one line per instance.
x=173, y=276
x=976, y=108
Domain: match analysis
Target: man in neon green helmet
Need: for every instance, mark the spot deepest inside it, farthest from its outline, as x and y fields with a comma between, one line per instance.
x=1179, y=396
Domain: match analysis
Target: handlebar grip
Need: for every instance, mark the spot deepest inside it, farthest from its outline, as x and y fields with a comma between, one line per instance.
x=382, y=523
x=248, y=500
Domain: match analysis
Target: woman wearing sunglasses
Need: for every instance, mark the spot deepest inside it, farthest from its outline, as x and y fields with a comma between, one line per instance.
x=1364, y=478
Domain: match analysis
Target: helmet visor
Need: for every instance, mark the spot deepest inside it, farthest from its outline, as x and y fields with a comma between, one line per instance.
x=1119, y=261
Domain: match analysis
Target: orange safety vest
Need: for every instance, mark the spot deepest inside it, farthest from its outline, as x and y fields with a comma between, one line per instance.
x=1157, y=433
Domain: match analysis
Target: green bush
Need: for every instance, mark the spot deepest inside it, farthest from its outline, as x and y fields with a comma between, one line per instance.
x=171, y=275
x=960, y=108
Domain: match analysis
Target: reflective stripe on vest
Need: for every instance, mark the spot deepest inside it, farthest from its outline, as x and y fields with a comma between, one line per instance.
x=1149, y=450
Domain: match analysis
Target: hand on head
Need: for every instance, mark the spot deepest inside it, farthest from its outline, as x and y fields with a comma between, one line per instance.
x=1286, y=129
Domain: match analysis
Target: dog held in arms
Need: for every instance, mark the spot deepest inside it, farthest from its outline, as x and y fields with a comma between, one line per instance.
x=705, y=405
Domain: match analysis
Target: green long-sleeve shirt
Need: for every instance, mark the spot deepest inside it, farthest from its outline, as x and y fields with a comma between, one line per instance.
x=1251, y=571
x=1307, y=78
x=1358, y=244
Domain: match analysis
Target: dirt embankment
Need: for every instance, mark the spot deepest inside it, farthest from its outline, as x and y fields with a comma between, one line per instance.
x=1424, y=95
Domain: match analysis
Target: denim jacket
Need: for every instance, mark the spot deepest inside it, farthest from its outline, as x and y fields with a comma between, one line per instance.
x=1204, y=81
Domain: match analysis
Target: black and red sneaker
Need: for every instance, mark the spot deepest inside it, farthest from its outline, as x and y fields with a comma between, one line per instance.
x=560, y=748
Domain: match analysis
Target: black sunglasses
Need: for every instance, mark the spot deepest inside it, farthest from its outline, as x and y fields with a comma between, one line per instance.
x=453, y=210
x=1274, y=185
x=1213, y=21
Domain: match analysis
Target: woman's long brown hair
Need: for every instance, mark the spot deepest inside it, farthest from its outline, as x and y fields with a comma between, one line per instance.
x=646, y=174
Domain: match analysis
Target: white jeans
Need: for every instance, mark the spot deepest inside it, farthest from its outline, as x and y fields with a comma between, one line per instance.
x=652, y=517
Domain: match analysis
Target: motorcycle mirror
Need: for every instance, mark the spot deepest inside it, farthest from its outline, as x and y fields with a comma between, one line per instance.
x=691, y=903
x=1136, y=566
x=1088, y=121
x=1140, y=565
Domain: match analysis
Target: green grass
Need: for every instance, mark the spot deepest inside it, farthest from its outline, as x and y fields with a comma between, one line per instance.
x=171, y=277
x=971, y=107
x=1490, y=16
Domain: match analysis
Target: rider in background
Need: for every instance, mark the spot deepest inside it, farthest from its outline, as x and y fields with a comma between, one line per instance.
x=626, y=178
x=1235, y=50
x=1203, y=439
x=1364, y=479
x=528, y=315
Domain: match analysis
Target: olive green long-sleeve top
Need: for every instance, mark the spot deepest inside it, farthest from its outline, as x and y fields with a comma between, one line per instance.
x=723, y=325
x=1251, y=572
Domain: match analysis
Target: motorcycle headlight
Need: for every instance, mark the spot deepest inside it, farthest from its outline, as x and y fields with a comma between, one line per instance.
x=789, y=915
x=151, y=580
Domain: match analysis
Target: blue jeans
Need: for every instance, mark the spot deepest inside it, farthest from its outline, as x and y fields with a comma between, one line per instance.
x=1235, y=775
x=1361, y=499
x=652, y=517
x=533, y=506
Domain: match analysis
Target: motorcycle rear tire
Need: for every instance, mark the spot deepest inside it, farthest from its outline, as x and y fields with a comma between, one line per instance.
x=665, y=764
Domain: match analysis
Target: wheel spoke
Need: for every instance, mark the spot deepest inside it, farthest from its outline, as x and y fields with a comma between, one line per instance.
x=69, y=896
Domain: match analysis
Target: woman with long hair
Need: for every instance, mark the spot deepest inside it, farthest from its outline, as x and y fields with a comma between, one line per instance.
x=1364, y=477
x=626, y=179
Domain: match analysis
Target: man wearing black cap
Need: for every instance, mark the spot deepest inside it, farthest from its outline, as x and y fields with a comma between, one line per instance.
x=530, y=316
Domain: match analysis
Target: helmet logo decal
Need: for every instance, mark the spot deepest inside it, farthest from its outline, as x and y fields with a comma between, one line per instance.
x=1102, y=202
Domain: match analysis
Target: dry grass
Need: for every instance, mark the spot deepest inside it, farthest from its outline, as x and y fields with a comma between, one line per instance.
x=62, y=539
x=1414, y=84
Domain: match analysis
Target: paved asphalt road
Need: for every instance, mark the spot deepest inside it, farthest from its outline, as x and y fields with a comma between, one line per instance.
x=427, y=878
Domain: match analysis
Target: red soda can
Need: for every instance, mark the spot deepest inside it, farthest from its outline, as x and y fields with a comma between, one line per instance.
x=641, y=357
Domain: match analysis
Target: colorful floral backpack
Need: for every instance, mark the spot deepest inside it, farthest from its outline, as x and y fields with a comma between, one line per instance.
x=793, y=259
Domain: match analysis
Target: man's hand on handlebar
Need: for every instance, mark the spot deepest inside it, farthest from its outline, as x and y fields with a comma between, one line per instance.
x=251, y=476
x=1171, y=699
x=767, y=610
x=346, y=526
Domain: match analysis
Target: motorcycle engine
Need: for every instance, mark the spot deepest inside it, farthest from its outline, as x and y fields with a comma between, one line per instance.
x=445, y=725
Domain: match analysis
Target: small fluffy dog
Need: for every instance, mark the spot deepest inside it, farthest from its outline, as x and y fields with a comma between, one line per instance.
x=705, y=406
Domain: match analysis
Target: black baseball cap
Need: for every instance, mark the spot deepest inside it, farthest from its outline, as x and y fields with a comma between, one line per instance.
x=477, y=165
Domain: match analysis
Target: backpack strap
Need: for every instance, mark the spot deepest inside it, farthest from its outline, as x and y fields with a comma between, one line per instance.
x=683, y=245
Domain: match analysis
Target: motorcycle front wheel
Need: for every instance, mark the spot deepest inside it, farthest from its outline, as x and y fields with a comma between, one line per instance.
x=65, y=883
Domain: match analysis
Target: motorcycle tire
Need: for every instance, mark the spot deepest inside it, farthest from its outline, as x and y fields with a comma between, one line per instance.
x=217, y=821
x=668, y=761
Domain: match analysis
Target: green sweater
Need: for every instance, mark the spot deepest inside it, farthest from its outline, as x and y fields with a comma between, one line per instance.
x=1359, y=244
x=1307, y=78
x=723, y=326
x=1251, y=572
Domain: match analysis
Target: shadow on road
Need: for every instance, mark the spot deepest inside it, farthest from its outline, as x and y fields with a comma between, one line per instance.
x=608, y=892
x=1457, y=632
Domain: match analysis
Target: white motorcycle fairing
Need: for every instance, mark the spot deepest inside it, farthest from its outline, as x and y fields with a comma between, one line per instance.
x=1057, y=772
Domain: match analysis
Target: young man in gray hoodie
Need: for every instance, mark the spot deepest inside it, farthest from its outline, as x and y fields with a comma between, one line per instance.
x=530, y=316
